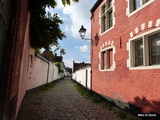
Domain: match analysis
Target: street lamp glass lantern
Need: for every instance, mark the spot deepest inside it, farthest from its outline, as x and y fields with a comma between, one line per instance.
x=82, y=32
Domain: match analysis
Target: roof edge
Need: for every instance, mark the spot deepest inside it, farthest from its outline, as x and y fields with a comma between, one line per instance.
x=95, y=6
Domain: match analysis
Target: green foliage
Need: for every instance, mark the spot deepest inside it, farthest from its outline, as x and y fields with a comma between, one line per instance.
x=68, y=2
x=45, y=32
x=108, y=105
x=96, y=98
x=82, y=91
x=60, y=69
x=37, y=50
x=49, y=86
x=122, y=114
x=45, y=29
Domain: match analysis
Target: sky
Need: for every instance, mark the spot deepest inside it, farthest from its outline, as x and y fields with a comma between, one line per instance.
x=73, y=17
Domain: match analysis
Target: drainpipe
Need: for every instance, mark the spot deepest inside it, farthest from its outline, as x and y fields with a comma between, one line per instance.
x=91, y=52
x=48, y=73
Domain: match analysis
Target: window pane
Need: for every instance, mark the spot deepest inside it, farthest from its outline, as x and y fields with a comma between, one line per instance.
x=147, y=0
x=154, y=46
x=103, y=9
x=137, y=4
x=104, y=23
x=139, y=53
x=110, y=19
x=109, y=3
x=110, y=59
x=103, y=65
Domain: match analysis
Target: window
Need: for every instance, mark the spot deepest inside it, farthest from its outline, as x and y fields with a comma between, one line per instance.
x=110, y=19
x=135, y=5
x=138, y=3
x=106, y=16
x=154, y=49
x=145, y=51
x=139, y=53
x=106, y=59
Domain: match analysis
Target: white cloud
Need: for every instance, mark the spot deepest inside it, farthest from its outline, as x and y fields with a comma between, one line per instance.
x=79, y=14
x=84, y=48
x=59, y=4
x=69, y=62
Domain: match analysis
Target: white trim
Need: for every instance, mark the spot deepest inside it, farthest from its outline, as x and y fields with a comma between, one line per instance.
x=128, y=45
x=112, y=43
x=113, y=10
x=143, y=26
x=150, y=24
x=131, y=34
x=109, y=42
x=145, y=67
x=145, y=33
x=144, y=36
x=106, y=43
x=111, y=47
x=129, y=14
x=103, y=45
x=136, y=30
x=114, y=63
x=106, y=30
x=158, y=23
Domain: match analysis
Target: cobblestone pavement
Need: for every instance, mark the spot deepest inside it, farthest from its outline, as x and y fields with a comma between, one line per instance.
x=63, y=102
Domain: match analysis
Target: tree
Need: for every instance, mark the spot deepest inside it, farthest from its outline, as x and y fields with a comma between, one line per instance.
x=45, y=29
x=62, y=52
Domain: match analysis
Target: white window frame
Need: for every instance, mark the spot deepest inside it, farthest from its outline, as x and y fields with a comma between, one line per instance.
x=106, y=14
x=144, y=37
x=129, y=9
x=101, y=59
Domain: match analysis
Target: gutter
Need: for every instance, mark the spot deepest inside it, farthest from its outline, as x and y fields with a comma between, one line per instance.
x=95, y=6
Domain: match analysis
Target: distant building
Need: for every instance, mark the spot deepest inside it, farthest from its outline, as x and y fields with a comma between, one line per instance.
x=69, y=70
x=48, y=54
x=125, y=57
x=77, y=66
x=82, y=74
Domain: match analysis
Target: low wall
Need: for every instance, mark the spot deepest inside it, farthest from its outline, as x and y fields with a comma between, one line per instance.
x=41, y=71
x=83, y=76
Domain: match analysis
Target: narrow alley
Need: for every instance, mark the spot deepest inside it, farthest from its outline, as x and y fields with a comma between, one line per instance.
x=63, y=102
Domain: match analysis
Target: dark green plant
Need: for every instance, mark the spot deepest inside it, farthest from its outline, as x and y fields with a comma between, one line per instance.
x=107, y=105
x=96, y=99
x=84, y=92
x=122, y=114
x=45, y=29
x=49, y=86
x=60, y=69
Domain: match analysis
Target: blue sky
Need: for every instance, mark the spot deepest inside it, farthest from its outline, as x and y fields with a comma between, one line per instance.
x=73, y=17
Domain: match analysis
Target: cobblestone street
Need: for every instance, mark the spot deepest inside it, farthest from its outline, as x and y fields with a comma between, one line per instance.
x=63, y=102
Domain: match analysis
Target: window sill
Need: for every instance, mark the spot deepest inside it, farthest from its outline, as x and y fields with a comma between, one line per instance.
x=107, y=70
x=145, y=67
x=107, y=30
x=137, y=10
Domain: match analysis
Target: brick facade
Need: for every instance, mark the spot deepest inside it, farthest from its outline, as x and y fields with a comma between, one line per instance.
x=12, y=61
x=132, y=85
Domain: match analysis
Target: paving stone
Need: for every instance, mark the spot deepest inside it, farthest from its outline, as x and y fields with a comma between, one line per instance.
x=63, y=102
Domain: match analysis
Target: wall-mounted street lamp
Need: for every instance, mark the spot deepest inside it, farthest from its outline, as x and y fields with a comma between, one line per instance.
x=82, y=33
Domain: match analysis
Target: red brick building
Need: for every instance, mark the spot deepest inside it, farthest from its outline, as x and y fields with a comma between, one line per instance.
x=14, y=55
x=126, y=52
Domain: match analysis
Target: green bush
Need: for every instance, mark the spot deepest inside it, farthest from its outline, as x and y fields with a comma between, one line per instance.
x=60, y=69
